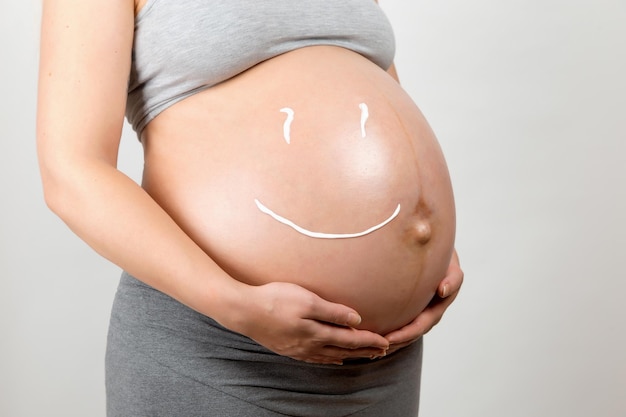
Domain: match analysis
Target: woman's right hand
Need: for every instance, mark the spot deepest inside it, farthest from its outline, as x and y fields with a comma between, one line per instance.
x=295, y=322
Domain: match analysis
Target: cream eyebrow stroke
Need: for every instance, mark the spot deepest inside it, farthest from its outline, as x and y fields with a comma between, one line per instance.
x=364, y=115
x=321, y=235
x=287, y=125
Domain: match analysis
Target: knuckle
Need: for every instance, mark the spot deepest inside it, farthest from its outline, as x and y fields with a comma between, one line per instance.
x=307, y=304
x=353, y=344
x=336, y=317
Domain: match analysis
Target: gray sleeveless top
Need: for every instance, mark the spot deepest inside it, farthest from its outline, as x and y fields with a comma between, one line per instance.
x=183, y=47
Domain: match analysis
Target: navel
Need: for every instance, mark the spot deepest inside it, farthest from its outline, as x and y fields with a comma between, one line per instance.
x=422, y=231
x=421, y=228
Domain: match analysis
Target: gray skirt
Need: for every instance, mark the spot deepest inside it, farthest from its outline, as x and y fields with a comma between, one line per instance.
x=164, y=359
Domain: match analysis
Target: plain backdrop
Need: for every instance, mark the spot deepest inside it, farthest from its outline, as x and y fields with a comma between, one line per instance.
x=528, y=98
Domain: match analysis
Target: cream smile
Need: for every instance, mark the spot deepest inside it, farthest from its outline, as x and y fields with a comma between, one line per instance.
x=321, y=235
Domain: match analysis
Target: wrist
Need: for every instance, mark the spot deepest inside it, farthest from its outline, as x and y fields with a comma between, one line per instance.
x=209, y=290
x=229, y=303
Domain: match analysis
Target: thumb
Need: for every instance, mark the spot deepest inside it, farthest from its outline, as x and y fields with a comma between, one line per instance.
x=334, y=313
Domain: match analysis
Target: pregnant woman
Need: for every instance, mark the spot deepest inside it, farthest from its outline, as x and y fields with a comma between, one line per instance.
x=293, y=235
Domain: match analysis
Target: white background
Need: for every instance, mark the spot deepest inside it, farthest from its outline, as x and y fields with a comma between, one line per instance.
x=528, y=98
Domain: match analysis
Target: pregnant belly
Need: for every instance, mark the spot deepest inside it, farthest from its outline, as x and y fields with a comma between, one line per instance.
x=314, y=168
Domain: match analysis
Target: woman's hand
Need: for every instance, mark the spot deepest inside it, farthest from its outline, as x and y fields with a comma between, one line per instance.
x=447, y=291
x=295, y=322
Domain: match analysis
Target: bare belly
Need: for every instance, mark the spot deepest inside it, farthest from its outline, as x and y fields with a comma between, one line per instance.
x=315, y=168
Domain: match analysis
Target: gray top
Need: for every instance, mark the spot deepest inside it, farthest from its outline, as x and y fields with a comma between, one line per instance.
x=183, y=47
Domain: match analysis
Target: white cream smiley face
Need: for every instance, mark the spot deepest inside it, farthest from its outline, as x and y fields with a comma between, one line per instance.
x=321, y=235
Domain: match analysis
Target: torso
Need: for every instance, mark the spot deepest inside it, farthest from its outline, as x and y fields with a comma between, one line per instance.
x=210, y=157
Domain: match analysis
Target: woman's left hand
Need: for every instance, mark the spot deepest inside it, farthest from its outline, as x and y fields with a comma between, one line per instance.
x=447, y=291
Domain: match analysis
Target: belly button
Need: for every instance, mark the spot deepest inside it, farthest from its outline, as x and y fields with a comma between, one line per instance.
x=422, y=231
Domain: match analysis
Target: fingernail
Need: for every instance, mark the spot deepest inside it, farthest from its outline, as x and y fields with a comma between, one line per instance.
x=354, y=319
x=379, y=355
x=444, y=291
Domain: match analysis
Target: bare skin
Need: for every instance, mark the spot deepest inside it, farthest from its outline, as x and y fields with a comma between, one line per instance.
x=328, y=177
x=84, y=66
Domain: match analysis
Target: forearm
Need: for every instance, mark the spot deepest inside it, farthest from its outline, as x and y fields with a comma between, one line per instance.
x=118, y=219
x=123, y=223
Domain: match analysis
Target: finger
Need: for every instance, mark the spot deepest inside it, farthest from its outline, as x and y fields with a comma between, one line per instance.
x=411, y=331
x=453, y=280
x=423, y=323
x=343, y=354
x=432, y=315
x=451, y=283
x=334, y=313
x=398, y=346
x=350, y=338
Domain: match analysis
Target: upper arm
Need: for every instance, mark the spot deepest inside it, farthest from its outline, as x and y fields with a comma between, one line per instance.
x=393, y=72
x=84, y=64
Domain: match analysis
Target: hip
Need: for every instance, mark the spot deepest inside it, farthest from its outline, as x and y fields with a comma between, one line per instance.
x=158, y=347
